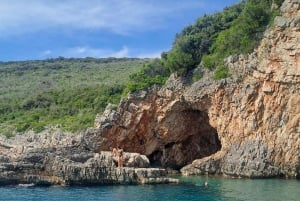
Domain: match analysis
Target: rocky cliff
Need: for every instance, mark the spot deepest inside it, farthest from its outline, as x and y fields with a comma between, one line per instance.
x=248, y=125
x=245, y=126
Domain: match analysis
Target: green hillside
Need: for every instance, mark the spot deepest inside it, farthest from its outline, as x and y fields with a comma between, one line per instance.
x=236, y=30
x=69, y=92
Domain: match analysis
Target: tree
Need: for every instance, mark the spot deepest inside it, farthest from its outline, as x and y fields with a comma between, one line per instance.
x=196, y=40
x=179, y=61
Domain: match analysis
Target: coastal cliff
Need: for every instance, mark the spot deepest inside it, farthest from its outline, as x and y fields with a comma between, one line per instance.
x=248, y=125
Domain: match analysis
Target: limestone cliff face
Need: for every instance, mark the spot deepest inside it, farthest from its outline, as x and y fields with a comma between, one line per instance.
x=248, y=125
x=161, y=125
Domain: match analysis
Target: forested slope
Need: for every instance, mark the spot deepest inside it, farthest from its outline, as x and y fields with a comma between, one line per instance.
x=68, y=92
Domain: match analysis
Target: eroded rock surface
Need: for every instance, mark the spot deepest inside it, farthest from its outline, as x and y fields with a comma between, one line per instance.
x=248, y=125
x=165, y=127
x=65, y=159
x=245, y=126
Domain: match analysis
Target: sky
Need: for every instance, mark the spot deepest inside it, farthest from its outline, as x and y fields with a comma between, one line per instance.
x=42, y=29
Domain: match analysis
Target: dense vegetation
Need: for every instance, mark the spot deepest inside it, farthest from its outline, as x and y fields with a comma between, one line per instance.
x=188, y=48
x=70, y=92
x=244, y=34
x=34, y=94
x=152, y=73
x=236, y=30
x=195, y=40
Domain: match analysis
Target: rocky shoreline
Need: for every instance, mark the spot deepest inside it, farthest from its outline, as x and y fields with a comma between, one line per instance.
x=62, y=159
x=244, y=126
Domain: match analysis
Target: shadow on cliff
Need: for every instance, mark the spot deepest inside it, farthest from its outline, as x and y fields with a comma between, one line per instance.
x=188, y=136
x=171, y=133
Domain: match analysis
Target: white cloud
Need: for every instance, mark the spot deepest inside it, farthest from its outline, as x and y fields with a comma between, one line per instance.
x=46, y=53
x=94, y=52
x=119, y=16
x=124, y=52
x=84, y=51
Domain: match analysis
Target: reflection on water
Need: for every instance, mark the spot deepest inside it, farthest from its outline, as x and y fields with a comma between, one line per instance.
x=190, y=188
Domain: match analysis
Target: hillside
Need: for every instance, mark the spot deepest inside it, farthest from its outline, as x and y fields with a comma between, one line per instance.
x=69, y=92
x=204, y=45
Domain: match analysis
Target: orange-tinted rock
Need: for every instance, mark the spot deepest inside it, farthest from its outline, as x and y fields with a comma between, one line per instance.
x=245, y=126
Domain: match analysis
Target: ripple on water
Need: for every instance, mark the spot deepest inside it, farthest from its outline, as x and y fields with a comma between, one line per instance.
x=191, y=188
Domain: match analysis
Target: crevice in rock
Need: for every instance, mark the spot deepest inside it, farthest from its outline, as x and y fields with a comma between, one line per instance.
x=155, y=158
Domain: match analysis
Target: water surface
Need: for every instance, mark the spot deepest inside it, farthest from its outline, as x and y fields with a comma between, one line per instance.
x=190, y=189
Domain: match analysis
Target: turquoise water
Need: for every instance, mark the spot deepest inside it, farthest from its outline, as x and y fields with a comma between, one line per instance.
x=190, y=189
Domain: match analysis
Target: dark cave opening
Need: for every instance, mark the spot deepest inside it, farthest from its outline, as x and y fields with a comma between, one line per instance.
x=190, y=136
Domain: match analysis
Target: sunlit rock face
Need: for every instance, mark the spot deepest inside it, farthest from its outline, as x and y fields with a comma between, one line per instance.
x=248, y=125
x=258, y=119
x=165, y=127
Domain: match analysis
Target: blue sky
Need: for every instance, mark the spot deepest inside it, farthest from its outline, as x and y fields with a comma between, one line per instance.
x=40, y=29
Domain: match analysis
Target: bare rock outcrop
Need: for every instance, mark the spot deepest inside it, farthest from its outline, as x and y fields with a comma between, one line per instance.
x=161, y=125
x=258, y=119
x=54, y=157
x=248, y=125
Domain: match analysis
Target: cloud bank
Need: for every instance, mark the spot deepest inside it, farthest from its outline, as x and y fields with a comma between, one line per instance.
x=118, y=16
x=41, y=29
x=85, y=51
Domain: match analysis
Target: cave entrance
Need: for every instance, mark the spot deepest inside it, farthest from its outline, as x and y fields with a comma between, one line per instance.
x=189, y=136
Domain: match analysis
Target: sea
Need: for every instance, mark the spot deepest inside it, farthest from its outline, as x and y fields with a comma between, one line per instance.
x=189, y=189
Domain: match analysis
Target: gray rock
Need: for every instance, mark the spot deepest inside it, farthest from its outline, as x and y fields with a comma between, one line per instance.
x=296, y=22
x=251, y=159
x=202, y=167
x=136, y=160
x=281, y=22
x=289, y=6
x=109, y=115
x=59, y=161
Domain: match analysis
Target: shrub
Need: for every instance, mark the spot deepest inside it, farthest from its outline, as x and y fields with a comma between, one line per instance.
x=209, y=61
x=179, y=61
x=152, y=73
x=221, y=72
x=197, y=74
